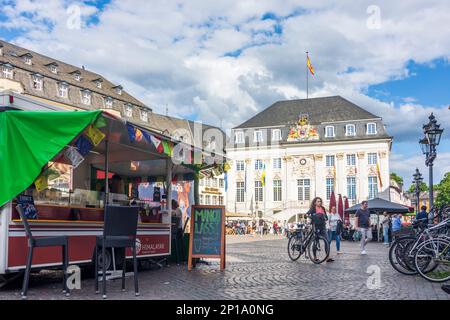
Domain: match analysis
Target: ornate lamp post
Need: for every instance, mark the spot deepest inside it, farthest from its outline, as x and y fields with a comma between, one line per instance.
x=417, y=181
x=433, y=134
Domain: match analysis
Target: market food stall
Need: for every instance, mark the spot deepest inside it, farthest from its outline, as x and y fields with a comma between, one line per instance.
x=69, y=165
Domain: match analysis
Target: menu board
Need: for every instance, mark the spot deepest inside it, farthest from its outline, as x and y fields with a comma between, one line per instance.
x=207, y=236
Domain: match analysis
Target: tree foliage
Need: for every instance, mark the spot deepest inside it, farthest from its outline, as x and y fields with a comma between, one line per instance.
x=423, y=187
x=397, y=178
x=443, y=188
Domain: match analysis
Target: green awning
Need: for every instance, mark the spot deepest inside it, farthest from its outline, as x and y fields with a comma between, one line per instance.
x=29, y=140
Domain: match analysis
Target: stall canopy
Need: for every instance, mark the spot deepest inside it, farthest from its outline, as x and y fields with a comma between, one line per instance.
x=29, y=140
x=380, y=205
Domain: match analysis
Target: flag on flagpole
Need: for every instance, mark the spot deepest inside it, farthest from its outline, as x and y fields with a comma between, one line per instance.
x=308, y=63
x=379, y=176
x=263, y=176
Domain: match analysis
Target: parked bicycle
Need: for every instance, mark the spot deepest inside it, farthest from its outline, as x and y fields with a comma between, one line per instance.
x=307, y=240
x=404, y=249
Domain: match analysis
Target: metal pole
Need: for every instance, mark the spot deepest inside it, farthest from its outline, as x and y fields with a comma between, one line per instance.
x=430, y=167
x=106, y=173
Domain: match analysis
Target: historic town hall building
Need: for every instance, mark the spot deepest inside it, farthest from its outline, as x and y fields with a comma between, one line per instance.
x=296, y=150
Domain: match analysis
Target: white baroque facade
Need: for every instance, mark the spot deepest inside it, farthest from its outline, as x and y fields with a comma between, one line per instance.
x=297, y=170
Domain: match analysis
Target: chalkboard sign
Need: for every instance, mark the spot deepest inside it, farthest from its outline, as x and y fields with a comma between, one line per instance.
x=207, y=237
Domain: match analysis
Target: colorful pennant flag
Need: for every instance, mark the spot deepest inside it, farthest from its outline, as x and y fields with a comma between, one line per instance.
x=95, y=135
x=100, y=122
x=168, y=147
x=41, y=183
x=157, y=143
x=131, y=133
x=138, y=134
x=226, y=167
x=73, y=156
x=83, y=145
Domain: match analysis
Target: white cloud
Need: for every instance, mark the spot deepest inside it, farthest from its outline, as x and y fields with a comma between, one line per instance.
x=173, y=53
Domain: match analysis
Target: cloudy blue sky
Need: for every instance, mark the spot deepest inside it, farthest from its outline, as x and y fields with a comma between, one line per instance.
x=221, y=61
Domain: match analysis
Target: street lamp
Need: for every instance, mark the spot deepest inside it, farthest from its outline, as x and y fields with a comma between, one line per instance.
x=418, y=181
x=433, y=134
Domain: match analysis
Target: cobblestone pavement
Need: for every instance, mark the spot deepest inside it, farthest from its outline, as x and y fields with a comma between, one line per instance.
x=256, y=269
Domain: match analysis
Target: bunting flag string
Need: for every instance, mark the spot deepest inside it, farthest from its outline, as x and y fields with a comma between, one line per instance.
x=41, y=183
x=95, y=135
x=83, y=145
x=73, y=156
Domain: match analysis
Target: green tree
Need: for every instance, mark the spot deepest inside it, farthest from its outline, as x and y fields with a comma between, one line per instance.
x=423, y=187
x=397, y=178
x=443, y=188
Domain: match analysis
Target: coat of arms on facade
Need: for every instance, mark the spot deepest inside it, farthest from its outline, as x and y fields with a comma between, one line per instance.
x=302, y=130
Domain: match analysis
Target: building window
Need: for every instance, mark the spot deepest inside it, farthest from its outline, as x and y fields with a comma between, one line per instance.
x=277, y=163
x=220, y=200
x=329, y=161
x=329, y=187
x=303, y=189
x=144, y=115
x=276, y=135
x=240, y=191
x=7, y=71
x=258, y=191
x=37, y=82
x=208, y=182
x=214, y=200
x=108, y=103
x=201, y=182
x=128, y=111
x=351, y=160
x=373, y=187
x=371, y=128
x=351, y=188
x=54, y=68
x=329, y=131
x=214, y=182
x=258, y=164
x=98, y=83
x=86, y=97
x=372, y=158
x=201, y=199
x=221, y=183
x=63, y=90
x=118, y=90
x=27, y=60
x=77, y=76
x=277, y=190
x=239, y=137
x=257, y=136
x=350, y=130
x=207, y=199
x=240, y=165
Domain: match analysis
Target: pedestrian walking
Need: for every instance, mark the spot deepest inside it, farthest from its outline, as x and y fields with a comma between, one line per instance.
x=364, y=225
x=261, y=227
x=396, y=225
x=385, y=223
x=319, y=218
x=335, y=229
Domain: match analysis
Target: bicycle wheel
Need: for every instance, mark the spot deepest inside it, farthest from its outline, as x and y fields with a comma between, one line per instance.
x=397, y=255
x=318, y=249
x=437, y=251
x=295, y=247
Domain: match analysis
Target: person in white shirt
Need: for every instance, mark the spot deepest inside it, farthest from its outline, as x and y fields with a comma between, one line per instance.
x=335, y=229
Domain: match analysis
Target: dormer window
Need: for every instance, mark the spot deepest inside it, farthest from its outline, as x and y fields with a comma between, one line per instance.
x=350, y=130
x=239, y=137
x=128, y=110
x=63, y=90
x=7, y=71
x=118, y=89
x=108, y=102
x=1, y=49
x=86, y=97
x=37, y=80
x=276, y=134
x=98, y=83
x=371, y=128
x=27, y=59
x=53, y=67
x=76, y=75
x=144, y=115
x=329, y=131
